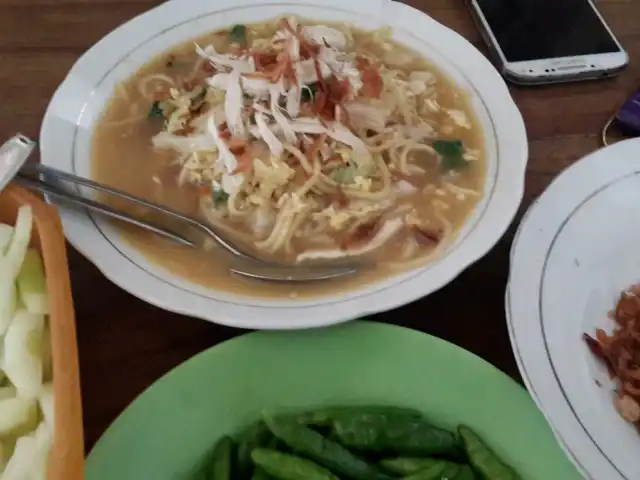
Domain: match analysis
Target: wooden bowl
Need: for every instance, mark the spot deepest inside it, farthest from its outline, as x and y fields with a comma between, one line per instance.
x=67, y=454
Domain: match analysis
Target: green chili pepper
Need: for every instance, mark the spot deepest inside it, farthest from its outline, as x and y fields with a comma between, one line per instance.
x=313, y=445
x=483, y=459
x=465, y=473
x=409, y=466
x=422, y=468
x=449, y=473
x=403, y=436
x=289, y=467
x=256, y=435
x=259, y=474
x=220, y=466
x=276, y=444
x=434, y=472
x=325, y=417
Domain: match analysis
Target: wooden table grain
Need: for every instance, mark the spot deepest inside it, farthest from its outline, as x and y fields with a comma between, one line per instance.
x=125, y=344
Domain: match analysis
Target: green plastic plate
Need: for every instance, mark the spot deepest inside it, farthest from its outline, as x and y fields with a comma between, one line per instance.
x=168, y=430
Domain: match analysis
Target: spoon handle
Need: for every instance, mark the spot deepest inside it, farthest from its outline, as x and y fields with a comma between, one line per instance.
x=104, y=209
x=13, y=153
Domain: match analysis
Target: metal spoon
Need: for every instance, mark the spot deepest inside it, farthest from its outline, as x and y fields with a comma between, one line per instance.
x=55, y=185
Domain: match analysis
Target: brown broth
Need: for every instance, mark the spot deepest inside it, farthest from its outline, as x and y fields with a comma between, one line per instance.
x=123, y=157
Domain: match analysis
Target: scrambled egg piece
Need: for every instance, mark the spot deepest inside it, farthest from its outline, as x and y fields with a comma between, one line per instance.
x=341, y=219
x=292, y=201
x=363, y=183
x=338, y=220
x=270, y=176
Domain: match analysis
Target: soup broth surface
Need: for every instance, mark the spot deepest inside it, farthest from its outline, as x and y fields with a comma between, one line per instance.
x=386, y=157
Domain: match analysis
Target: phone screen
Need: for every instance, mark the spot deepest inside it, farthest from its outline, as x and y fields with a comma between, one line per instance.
x=541, y=29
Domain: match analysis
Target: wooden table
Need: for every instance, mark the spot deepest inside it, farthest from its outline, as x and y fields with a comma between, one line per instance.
x=125, y=344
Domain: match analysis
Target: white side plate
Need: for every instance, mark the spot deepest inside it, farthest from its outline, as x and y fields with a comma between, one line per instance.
x=575, y=251
x=66, y=137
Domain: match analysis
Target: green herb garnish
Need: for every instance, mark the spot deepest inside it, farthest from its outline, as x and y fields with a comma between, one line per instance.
x=451, y=154
x=238, y=34
x=309, y=92
x=155, y=111
x=219, y=196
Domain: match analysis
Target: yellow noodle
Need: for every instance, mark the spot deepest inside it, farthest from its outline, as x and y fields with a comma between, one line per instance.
x=402, y=103
x=295, y=225
x=300, y=157
x=382, y=134
x=143, y=84
x=122, y=91
x=409, y=147
x=394, y=156
x=443, y=244
x=283, y=224
x=313, y=180
x=456, y=189
x=216, y=219
x=384, y=192
x=415, y=170
x=322, y=186
x=394, y=142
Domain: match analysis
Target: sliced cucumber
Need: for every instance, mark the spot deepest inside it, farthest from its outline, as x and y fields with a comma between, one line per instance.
x=23, y=353
x=10, y=263
x=17, y=415
x=46, y=404
x=6, y=234
x=32, y=284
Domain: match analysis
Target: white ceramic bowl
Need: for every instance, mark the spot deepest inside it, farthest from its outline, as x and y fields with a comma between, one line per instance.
x=575, y=251
x=76, y=106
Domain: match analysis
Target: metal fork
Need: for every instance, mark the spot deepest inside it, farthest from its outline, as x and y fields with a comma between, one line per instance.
x=55, y=185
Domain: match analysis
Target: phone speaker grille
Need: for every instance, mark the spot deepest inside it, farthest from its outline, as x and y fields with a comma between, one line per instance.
x=570, y=67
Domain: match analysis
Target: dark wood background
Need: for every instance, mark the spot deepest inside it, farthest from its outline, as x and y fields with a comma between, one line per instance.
x=125, y=344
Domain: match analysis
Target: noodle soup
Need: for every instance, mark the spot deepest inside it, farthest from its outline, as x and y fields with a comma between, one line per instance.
x=304, y=142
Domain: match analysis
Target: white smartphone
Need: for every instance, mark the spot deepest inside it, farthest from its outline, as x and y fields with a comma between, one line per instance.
x=547, y=41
